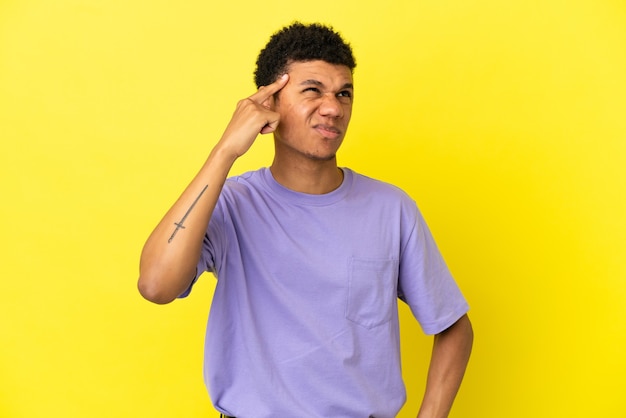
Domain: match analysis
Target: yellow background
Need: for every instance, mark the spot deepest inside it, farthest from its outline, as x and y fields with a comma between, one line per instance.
x=505, y=120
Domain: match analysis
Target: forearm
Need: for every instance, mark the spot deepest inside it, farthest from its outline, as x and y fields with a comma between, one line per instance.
x=451, y=352
x=171, y=253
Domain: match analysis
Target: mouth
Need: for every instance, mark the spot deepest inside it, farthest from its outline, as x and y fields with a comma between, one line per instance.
x=327, y=131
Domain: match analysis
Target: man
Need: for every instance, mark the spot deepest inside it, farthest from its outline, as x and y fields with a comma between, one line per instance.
x=310, y=258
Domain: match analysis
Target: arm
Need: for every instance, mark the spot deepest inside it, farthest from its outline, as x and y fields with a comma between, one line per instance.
x=451, y=352
x=171, y=253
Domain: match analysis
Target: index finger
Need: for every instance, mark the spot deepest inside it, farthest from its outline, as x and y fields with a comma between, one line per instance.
x=265, y=92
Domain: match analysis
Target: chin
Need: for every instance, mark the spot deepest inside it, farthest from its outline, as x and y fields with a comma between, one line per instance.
x=322, y=158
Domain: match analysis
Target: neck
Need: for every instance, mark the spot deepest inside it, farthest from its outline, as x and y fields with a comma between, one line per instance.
x=311, y=177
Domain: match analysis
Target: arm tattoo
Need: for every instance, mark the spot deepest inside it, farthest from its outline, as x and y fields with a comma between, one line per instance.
x=179, y=224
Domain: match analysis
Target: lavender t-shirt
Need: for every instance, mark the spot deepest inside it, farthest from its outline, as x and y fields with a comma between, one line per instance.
x=304, y=319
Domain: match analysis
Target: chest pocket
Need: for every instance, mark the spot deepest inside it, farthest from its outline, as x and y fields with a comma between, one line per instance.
x=371, y=291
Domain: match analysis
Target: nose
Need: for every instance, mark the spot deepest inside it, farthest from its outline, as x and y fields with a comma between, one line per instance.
x=330, y=106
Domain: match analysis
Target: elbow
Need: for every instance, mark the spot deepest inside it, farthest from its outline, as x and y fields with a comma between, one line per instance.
x=162, y=284
x=152, y=290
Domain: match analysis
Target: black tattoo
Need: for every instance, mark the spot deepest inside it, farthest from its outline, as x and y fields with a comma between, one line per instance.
x=179, y=224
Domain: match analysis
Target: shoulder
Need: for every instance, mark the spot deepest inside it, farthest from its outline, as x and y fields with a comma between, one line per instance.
x=241, y=190
x=378, y=188
x=243, y=183
x=377, y=195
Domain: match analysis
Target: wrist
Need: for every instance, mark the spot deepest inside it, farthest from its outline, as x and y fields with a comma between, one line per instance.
x=223, y=155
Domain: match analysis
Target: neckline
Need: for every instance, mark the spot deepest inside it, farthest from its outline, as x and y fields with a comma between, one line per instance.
x=305, y=198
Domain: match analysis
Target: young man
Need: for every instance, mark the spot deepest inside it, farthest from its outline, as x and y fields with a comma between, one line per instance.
x=310, y=258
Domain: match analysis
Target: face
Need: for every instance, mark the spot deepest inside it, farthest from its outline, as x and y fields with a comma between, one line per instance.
x=315, y=108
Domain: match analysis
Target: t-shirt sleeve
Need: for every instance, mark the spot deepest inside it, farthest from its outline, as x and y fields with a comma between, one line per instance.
x=426, y=284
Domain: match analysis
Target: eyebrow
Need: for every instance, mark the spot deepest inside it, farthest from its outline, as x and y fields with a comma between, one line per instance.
x=313, y=82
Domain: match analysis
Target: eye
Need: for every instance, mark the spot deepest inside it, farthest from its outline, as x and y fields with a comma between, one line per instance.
x=345, y=93
x=311, y=89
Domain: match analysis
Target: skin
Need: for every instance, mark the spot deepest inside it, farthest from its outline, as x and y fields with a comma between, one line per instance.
x=308, y=111
x=315, y=108
x=451, y=353
x=167, y=266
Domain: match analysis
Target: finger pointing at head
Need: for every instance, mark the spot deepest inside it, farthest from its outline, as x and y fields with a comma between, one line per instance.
x=265, y=92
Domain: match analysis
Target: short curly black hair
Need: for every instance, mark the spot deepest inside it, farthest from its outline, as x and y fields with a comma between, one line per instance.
x=300, y=42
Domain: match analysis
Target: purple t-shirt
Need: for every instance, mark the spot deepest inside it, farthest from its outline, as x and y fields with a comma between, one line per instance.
x=304, y=318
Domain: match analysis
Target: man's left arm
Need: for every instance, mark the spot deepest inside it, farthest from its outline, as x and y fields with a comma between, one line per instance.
x=451, y=353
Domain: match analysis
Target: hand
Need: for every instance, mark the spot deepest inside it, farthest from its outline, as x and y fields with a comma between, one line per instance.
x=252, y=116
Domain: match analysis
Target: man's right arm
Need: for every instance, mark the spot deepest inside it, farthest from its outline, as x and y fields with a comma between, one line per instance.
x=171, y=253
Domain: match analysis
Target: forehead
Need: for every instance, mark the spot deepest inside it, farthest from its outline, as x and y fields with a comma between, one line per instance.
x=331, y=75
